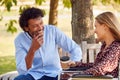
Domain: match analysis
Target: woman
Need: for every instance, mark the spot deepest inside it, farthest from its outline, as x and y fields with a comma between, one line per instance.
x=106, y=62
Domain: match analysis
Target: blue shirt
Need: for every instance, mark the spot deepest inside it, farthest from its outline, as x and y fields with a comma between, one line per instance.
x=46, y=59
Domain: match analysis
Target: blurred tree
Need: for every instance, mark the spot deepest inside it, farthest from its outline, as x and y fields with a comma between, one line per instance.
x=82, y=21
x=82, y=18
x=53, y=12
x=82, y=15
x=10, y=26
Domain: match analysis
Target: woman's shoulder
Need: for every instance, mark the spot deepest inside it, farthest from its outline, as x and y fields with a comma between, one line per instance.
x=116, y=42
x=116, y=45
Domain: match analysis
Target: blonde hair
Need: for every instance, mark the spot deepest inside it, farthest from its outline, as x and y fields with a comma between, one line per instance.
x=110, y=20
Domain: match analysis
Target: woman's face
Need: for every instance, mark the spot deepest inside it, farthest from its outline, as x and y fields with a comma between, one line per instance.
x=100, y=31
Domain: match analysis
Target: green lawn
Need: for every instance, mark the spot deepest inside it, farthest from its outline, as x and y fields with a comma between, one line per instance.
x=7, y=59
x=7, y=63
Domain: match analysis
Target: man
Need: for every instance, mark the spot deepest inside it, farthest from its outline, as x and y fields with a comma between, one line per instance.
x=37, y=56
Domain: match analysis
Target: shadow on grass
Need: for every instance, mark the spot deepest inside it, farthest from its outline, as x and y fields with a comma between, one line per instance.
x=7, y=63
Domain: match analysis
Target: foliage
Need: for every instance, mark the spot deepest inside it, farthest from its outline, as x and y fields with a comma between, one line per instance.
x=8, y=3
x=1, y=17
x=10, y=26
x=22, y=8
x=67, y=3
x=117, y=1
x=114, y=3
x=39, y=2
x=105, y=2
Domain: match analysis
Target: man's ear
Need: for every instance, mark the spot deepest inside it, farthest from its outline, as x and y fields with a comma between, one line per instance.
x=26, y=28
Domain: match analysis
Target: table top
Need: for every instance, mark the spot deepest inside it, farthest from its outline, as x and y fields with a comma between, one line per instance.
x=87, y=77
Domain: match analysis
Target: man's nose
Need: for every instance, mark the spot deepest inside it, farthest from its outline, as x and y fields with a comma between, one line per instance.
x=41, y=27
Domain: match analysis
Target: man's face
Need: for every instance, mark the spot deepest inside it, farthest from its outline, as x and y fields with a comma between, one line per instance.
x=34, y=26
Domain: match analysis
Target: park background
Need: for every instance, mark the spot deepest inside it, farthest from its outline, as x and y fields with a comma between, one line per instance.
x=7, y=50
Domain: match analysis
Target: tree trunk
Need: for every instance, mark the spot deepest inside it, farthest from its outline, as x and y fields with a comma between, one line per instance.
x=82, y=21
x=53, y=12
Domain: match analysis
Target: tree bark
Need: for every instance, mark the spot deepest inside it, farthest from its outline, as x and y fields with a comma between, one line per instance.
x=82, y=21
x=53, y=12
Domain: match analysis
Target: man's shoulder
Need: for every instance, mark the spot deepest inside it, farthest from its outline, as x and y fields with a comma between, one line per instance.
x=21, y=34
x=50, y=28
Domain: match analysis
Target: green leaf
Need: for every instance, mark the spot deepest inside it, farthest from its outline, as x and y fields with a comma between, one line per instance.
x=22, y=8
x=2, y=3
x=1, y=17
x=95, y=2
x=12, y=29
x=117, y=1
x=106, y=2
x=15, y=2
x=43, y=11
x=8, y=5
x=39, y=2
x=67, y=3
x=10, y=26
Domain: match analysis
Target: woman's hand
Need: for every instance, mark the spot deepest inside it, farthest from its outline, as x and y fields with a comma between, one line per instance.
x=68, y=64
x=72, y=63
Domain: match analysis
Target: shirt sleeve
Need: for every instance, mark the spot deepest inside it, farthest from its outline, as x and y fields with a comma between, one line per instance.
x=68, y=45
x=108, y=63
x=20, y=54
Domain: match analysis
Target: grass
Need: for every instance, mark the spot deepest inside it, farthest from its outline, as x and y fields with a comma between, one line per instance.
x=7, y=59
x=7, y=63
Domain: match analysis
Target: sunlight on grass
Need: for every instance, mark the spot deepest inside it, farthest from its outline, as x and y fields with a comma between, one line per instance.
x=7, y=63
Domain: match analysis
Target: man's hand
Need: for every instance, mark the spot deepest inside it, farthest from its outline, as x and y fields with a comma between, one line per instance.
x=37, y=40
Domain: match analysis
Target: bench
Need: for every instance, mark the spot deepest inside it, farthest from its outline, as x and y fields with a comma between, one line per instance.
x=9, y=75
